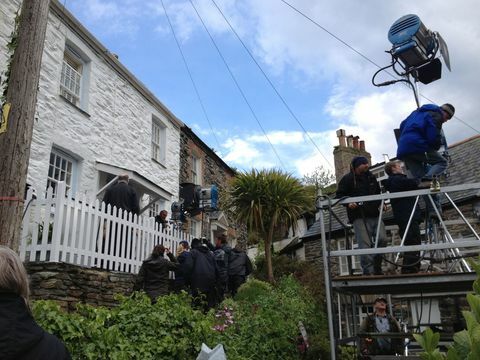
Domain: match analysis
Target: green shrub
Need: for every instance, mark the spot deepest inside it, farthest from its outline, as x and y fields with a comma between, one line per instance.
x=266, y=321
x=261, y=323
x=135, y=329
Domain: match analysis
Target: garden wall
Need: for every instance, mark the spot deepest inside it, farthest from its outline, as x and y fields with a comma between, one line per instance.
x=69, y=284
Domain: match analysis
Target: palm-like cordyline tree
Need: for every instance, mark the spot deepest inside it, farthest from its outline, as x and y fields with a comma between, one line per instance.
x=264, y=200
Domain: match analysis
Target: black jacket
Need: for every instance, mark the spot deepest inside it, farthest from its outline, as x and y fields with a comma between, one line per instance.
x=202, y=269
x=20, y=336
x=123, y=196
x=153, y=276
x=222, y=256
x=352, y=185
x=402, y=207
x=240, y=263
x=182, y=276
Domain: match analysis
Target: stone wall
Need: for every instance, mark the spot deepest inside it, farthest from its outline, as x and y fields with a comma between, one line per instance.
x=70, y=284
x=213, y=171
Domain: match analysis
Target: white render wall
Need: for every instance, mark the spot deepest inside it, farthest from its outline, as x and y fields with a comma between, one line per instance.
x=115, y=127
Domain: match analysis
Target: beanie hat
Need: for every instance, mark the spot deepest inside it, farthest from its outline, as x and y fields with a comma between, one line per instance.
x=359, y=160
x=449, y=109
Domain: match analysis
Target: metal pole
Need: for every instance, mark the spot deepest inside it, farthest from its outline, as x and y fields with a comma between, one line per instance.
x=462, y=216
x=328, y=295
x=339, y=316
x=379, y=223
x=447, y=234
x=408, y=227
x=415, y=92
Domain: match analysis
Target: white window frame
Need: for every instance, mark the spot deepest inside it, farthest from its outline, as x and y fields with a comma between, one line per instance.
x=60, y=170
x=343, y=260
x=156, y=207
x=194, y=228
x=159, y=140
x=71, y=78
x=196, y=170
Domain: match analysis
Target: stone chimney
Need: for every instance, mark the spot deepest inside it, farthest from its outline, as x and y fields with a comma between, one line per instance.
x=348, y=147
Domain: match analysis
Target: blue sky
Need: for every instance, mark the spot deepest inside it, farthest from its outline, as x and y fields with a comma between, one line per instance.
x=325, y=84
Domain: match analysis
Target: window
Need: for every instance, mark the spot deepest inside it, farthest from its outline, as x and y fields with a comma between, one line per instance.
x=62, y=167
x=156, y=207
x=71, y=79
x=343, y=260
x=194, y=228
x=196, y=178
x=74, y=78
x=159, y=139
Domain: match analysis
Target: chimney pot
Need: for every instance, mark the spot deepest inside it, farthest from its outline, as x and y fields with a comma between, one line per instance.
x=355, y=142
x=362, y=145
x=350, y=141
x=341, y=137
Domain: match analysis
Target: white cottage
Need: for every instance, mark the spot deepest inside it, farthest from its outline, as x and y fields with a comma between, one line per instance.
x=94, y=120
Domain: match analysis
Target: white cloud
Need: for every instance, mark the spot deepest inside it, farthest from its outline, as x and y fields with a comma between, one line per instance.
x=296, y=52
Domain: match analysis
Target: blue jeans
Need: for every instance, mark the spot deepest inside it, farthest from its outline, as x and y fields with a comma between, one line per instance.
x=365, y=233
x=416, y=164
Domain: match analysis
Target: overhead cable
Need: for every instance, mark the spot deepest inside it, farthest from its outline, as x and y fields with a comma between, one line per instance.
x=271, y=83
x=190, y=75
x=237, y=84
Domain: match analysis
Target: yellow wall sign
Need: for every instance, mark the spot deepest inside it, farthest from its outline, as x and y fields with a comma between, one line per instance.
x=4, y=119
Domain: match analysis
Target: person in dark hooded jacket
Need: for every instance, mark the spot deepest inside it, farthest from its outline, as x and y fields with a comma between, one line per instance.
x=20, y=336
x=421, y=137
x=153, y=276
x=222, y=255
x=203, y=274
x=239, y=268
x=363, y=216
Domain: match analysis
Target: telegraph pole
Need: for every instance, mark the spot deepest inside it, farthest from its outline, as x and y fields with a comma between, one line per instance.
x=16, y=135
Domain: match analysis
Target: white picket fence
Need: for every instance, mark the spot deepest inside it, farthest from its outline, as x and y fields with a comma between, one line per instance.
x=59, y=228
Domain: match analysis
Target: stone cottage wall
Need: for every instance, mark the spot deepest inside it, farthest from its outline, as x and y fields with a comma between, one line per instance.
x=70, y=284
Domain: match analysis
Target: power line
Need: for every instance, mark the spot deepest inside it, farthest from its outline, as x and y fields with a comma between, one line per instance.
x=362, y=55
x=237, y=84
x=271, y=84
x=190, y=74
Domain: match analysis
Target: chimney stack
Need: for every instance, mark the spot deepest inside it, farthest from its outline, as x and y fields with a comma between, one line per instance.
x=349, y=147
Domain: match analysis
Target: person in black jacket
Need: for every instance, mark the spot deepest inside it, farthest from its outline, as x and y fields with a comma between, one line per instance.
x=153, y=276
x=402, y=208
x=123, y=197
x=363, y=216
x=20, y=336
x=182, y=279
x=222, y=254
x=239, y=268
x=203, y=274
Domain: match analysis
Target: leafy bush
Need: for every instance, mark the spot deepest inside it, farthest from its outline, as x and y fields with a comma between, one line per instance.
x=169, y=329
x=261, y=323
x=266, y=321
x=306, y=273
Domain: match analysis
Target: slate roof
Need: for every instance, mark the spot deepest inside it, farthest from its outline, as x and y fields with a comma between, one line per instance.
x=464, y=168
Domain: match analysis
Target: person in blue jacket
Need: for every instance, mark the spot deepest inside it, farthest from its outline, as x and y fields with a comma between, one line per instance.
x=420, y=139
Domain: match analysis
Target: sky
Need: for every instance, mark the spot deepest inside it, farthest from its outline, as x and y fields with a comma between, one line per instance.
x=284, y=113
